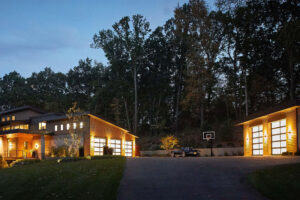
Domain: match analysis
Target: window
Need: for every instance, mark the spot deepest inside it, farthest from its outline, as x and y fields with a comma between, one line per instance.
x=99, y=143
x=55, y=128
x=257, y=140
x=116, y=145
x=81, y=125
x=13, y=118
x=74, y=125
x=128, y=148
x=61, y=127
x=8, y=118
x=68, y=126
x=278, y=137
x=42, y=125
x=3, y=119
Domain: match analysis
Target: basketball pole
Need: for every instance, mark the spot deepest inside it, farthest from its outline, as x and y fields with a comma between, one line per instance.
x=211, y=149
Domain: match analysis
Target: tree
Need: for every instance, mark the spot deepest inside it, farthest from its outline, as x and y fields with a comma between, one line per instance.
x=126, y=40
x=169, y=142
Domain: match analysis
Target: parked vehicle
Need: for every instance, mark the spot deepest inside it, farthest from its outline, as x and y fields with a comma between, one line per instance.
x=185, y=151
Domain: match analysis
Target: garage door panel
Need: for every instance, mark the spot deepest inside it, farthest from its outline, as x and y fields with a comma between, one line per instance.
x=257, y=140
x=278, y=136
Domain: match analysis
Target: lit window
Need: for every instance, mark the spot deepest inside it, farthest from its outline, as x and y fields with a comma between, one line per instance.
x=68, y=126
x=7, y=118
x=42, y=125
x=3, y=119
x=81, y=125
x=61, y=127
x=74, y=125
x=99, y=143
x=13, y=118
x=55, y=127
x=25, y=144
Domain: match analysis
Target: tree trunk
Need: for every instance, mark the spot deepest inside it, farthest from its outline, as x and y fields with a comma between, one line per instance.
x=246, y=92
x=135, y=100
x=127, y=115
x=292, y=79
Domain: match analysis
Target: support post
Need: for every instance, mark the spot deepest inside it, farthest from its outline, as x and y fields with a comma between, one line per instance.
x=42, y=147
x=211, y=148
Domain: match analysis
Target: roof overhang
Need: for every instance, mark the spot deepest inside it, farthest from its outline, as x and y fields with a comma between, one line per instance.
x=110, y=124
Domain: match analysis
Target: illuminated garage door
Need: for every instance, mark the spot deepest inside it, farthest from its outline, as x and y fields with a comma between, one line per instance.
x=257, y=140
x=128, y=148
x=279, y=137
x=99, y=143
x=116, y=145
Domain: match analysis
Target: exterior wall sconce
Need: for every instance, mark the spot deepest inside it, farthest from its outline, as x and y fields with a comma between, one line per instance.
x=266, y=136
x=290, y=133
x=36, y=146
x=247, y=139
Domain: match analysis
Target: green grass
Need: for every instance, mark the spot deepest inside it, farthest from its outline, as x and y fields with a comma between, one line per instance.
x=280, y=182
x=87, y=179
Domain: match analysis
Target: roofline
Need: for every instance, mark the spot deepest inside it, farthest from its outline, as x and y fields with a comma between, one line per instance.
x=271, y=110
x=102, y=120
x=20, y=109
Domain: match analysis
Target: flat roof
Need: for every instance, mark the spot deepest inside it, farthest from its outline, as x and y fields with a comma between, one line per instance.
x=276, y=108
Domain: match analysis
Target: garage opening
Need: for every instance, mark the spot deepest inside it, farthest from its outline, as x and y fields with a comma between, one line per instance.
x=278, y=137
x=128, y=148
x=116, y=145
x=257, y=140
x=99, y=143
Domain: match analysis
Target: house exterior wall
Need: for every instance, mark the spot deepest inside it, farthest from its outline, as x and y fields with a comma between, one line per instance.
x=102, y=129
x=292, y=132
x=21, y=115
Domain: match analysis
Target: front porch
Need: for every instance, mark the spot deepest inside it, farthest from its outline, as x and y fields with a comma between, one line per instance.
x=21, y=146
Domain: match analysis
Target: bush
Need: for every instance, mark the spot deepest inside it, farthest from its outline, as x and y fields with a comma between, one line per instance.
x=3, y=163
x=61, y=151
x=107, y=150
x=169, y=142
x=240, y=153
x=219, y=146
x=297, y=153
x=287, y=153
x=70, y=159
x=226, y=154
x=106, y=157
x=234, y=154
x=230, y=144
x=21, y=162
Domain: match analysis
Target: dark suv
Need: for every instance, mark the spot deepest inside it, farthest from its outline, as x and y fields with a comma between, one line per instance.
x=185, y=151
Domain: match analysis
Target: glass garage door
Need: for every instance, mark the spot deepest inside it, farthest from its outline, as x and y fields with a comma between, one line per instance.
x=278, y=137
x=257, y=140
x=99, y=143
x=128, y=148
x=116, y=145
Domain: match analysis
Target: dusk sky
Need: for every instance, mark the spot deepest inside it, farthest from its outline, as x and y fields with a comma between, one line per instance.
x=37, y=34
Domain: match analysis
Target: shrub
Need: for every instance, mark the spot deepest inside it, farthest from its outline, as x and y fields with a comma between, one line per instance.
x=287, y=153
x=230, y=144
x=105, y=157
x=219, y=146
x=21, y=162
x=107, y=150
x=61, y=151
x=240, y=153
x=169, y=142
x=226, y=154
x=297, y=153
x=234, y=154
x=3, y=163
x=70, y=159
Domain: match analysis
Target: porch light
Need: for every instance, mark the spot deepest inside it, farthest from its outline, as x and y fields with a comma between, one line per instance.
x=36, y=146
x=290, y=133
x=266, y=137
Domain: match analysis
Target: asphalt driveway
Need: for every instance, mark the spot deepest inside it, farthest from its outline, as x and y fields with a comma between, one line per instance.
x=193, y=178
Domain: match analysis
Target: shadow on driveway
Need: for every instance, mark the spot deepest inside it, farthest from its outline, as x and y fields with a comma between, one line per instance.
x=193, y=178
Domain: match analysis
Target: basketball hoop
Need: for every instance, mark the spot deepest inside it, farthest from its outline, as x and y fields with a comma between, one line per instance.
x=209, y=135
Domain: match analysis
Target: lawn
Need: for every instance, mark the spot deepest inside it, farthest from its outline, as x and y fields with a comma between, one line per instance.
x=280, y=182
x=87, y=179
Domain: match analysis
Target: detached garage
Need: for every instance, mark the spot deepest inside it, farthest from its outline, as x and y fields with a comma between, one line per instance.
x=272, y=131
